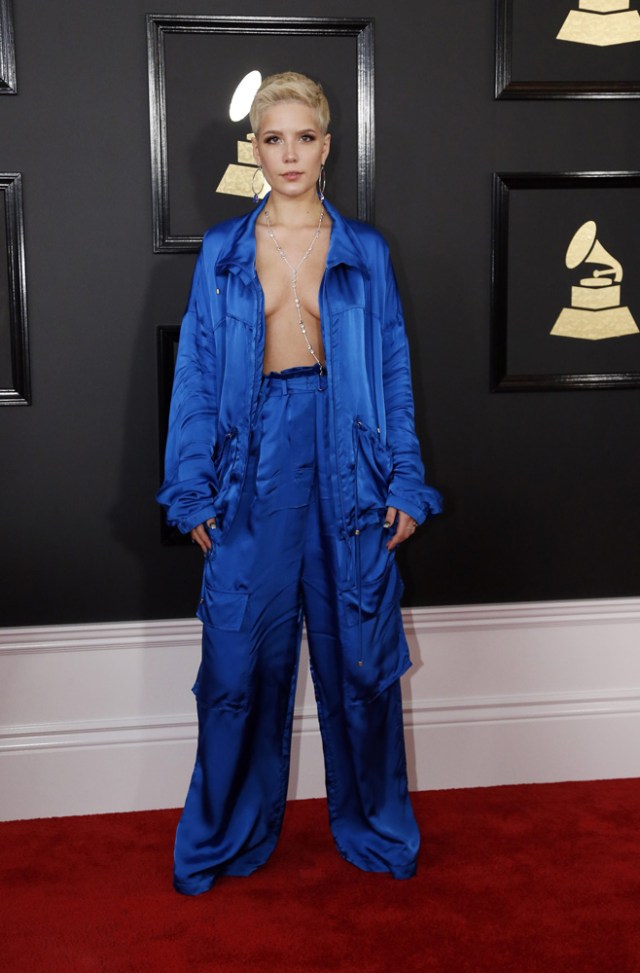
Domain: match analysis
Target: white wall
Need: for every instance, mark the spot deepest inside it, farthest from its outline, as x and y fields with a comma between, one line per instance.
x=100, y=718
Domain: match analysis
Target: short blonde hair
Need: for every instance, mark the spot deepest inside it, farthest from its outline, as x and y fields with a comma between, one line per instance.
x=290, y=86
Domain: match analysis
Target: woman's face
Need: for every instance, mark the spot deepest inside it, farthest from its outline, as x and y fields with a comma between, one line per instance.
x=290, y=148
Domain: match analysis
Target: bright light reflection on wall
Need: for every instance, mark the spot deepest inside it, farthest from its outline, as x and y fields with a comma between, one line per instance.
x=244, y=95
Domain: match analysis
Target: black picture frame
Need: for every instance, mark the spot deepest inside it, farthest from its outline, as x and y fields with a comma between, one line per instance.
x=588, y=65
x=514, y=330
x=162, y=26
x=14, y=334
x=8, y=82
x=168, y=337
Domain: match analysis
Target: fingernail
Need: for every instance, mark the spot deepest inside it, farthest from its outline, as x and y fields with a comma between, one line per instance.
x=386, y=524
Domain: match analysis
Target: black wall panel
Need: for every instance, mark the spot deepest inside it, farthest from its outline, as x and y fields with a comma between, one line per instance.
x=541, y=489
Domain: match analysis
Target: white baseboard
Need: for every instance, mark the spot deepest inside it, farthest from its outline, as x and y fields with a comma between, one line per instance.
x=99, y=718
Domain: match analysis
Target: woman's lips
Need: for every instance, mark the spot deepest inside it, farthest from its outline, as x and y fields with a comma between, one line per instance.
x=291, y=176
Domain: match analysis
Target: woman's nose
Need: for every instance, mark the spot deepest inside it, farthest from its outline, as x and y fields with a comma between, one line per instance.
x=290, y=151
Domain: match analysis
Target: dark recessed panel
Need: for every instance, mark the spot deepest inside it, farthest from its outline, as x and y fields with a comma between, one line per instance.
x=567, y=49
x=8, y=85
x=566, y=285
x=202, y=167
x=15, y=384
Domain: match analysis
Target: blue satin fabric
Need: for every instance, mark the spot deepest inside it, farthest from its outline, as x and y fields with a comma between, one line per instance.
x=282, y=558
x=219, y=367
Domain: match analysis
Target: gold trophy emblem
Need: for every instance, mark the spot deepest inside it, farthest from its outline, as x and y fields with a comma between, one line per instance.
x=601, y=23
x=595, y=311
x=239, y=177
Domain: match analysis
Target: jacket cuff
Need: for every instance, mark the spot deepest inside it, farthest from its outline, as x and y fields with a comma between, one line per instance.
x=185, y=526
x=431, y=504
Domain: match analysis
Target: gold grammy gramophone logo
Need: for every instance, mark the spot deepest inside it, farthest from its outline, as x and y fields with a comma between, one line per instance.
x=601, y=23
x=596, y=311
x=242, y=178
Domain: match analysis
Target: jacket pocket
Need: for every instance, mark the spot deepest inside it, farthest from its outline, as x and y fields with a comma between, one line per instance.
x=373, y=467
x=224, y=455
x=375, y=648
x=376, y=653
x=225, y=461
x=373, y=596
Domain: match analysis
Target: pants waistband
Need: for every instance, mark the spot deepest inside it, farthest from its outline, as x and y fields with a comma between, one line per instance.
x=302, y=378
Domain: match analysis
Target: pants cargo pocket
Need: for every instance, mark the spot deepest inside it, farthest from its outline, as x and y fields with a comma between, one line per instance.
x=224, y=677
x=223, y=609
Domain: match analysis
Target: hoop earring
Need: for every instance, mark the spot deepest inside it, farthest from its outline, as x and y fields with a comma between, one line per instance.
x=322, y=182
x=256, y=193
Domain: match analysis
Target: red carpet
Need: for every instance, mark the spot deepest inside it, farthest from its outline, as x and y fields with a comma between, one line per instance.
x=528, y=878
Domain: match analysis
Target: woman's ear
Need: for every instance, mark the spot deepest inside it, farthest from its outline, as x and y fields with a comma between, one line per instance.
x=327, y=147
x=256, y=151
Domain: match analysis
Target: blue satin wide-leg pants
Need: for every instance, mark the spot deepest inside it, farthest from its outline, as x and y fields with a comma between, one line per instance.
x=280, y=561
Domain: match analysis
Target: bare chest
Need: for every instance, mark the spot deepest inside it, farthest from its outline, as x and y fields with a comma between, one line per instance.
x=285, y=281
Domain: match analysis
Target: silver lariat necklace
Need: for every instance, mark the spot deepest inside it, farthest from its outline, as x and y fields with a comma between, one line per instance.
x=294, y=276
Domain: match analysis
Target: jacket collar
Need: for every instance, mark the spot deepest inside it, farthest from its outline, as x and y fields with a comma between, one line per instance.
x=238, y=253
x=344, y=247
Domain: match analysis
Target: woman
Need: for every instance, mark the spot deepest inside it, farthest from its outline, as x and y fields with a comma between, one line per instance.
x=293, y=463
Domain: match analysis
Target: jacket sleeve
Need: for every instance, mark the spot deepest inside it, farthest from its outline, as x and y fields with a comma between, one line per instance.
x=408, y=490
x=189, y=486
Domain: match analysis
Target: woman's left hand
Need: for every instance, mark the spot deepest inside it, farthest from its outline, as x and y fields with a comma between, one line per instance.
x=406, y=526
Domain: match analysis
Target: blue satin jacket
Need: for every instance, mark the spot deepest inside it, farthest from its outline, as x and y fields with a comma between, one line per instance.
x=376, y=456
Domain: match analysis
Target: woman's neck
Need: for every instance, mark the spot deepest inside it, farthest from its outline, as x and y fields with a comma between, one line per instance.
x=298, y=212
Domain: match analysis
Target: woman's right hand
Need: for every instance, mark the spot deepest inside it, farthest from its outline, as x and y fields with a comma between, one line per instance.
x=200, y=536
